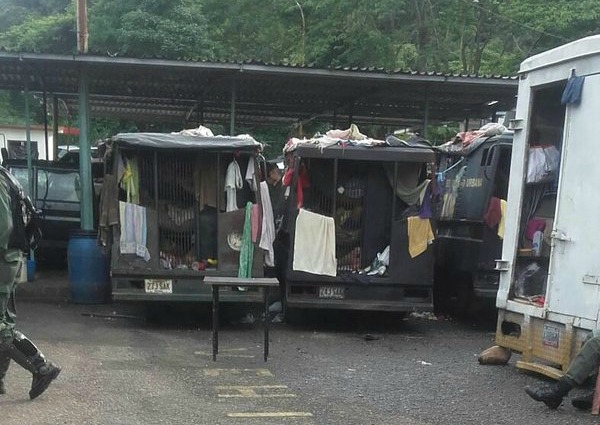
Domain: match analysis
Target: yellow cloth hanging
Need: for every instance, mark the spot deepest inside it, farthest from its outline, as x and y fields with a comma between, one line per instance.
x=130, y=182
x=420, y=235
x=502, y=219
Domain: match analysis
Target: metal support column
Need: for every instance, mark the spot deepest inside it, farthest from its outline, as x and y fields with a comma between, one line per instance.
x=30, y=181
x=85, y=158
x=28, y=141
x=266, y=325
x=215, y=322
x=46, y=144
x=426, y=116
x=55, y=128
x=232, y=117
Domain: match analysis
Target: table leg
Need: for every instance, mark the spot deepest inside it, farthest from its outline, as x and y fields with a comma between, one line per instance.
x=215, y=332
x=267, y=320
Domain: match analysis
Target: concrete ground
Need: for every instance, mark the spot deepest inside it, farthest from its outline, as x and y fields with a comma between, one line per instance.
x=331, y=369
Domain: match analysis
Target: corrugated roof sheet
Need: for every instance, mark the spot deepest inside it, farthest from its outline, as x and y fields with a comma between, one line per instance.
x=156, y=89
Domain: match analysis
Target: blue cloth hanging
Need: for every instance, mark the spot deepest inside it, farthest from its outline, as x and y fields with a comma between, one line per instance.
x=572, y=92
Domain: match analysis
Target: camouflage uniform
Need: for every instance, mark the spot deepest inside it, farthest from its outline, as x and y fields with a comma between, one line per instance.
x=13, y=344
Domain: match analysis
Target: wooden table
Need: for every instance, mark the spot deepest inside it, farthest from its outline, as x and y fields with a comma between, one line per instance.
x=217, y=282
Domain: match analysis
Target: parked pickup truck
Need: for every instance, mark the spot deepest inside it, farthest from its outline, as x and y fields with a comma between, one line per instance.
x=56, y=193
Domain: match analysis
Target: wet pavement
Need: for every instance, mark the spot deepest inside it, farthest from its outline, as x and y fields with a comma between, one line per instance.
x=332, y=368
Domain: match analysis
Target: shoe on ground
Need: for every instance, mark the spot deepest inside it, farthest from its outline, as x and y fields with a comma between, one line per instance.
x=42, y=379
x=549, y=395
x=583, y=402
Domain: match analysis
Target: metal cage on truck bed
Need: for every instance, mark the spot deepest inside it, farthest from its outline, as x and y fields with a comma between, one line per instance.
x=355, y=186
x=179, y=183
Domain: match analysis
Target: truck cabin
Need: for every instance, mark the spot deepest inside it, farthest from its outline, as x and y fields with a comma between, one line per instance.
x=474, y=182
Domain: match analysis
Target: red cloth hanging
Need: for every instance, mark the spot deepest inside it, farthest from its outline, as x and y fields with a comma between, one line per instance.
x=303, y=183
x=493, y=215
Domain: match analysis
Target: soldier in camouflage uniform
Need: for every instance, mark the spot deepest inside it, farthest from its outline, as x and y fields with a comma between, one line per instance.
x=584, y=365
x=15, y=212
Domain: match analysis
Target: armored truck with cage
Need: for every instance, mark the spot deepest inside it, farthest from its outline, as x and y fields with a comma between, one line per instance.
x=173, y=210
x=357, y=229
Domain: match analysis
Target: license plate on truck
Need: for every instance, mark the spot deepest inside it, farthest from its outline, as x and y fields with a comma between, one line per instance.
x=158, y=286
x=335, y=292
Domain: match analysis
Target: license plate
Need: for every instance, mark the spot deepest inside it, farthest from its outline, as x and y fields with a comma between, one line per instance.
x=335, y=292
x=159, y=286
x=551, y=336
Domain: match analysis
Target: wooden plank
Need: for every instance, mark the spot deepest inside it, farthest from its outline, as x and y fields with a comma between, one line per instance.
x=545, y=370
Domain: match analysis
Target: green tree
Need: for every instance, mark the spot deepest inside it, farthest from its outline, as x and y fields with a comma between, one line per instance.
x=269, y=30
x=149, y=28
x=38, y=26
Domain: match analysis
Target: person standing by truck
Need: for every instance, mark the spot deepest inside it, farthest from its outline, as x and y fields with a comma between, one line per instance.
x=15, y=213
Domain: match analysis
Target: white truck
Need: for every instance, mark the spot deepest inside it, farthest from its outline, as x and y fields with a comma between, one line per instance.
x=549, y=295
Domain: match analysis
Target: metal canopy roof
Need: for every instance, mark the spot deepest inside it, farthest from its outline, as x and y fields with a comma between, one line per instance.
x=154, y=90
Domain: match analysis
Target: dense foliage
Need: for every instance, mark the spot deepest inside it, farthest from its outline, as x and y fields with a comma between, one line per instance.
x=463, y=36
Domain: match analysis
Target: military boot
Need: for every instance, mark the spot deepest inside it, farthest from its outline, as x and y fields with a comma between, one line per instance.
x=27, y=355
x=4, y=363
x=583, y=402
x=552, y=395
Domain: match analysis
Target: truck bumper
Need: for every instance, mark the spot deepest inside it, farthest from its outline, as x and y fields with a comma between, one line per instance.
x=378, y=298
x=184, y=290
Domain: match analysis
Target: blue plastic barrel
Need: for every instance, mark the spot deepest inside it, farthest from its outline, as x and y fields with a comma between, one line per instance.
x=89, y=273
x=30, y=270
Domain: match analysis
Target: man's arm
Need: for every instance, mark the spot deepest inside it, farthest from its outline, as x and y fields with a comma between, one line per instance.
x=6, y=222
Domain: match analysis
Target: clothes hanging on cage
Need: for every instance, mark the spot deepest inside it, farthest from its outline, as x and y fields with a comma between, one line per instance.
x=133, y=230
x=420, y=235
x=267, y=236
x=256, y=221
x=314, y=244
x=233, y=182
x=303, y=183
x=407, y=186
x=250, y=176
x=425, y=209
x=109, y=209
x=130, y=182
x=247, y=249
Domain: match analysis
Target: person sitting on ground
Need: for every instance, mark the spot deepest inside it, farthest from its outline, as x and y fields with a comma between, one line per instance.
x=585, y=363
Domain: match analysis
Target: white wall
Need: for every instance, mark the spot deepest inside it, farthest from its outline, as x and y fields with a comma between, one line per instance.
x=37, y=135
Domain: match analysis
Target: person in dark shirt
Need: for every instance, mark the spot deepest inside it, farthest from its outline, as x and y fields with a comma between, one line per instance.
x=276, y=191
x=280, y=245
